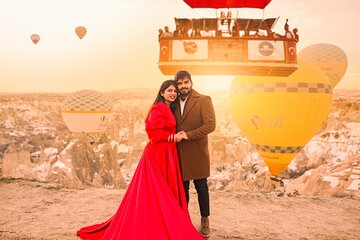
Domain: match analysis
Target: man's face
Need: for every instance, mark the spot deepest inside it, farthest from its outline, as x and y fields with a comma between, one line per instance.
x=184, y=85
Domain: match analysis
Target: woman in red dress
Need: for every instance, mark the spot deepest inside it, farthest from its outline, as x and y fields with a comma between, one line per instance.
x=154, y=206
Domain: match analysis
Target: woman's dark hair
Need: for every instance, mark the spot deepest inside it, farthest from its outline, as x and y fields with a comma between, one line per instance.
x=162, y=89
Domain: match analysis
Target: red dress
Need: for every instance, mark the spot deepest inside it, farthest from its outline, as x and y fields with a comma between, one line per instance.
x=154, y=205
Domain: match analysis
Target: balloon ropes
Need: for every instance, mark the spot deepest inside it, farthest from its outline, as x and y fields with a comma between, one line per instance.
x=226, y=44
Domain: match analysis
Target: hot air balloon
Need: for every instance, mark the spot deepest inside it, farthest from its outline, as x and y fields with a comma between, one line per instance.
x=80, y=31
x=35, y=38
x=330, y=58
x=280, y=115
x=87, y=112
x=227, y=4
x=227, y=53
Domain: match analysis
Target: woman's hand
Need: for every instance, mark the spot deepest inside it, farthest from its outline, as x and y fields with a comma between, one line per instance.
x=177, y=137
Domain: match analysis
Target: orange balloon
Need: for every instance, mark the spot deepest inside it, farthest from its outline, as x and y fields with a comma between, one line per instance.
x=80, y=31
x=35, y=38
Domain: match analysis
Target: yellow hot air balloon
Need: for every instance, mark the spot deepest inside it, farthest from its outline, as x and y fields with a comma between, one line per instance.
x=280, y=115
x=87, y=112
x=80, y=31
x=35, y=38
x=330, y=58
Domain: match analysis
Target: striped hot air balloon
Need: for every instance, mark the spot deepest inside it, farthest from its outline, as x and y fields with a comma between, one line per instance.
x=280, y=115
x=87, y=112
x=330, y=58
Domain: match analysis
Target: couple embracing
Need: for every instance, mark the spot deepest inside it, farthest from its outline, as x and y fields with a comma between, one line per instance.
x=154, y=206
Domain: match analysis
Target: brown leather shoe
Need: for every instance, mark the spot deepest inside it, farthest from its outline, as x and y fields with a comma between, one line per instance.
x=205, y=229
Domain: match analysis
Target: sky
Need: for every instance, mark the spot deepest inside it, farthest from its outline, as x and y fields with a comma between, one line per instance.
x=120, y=49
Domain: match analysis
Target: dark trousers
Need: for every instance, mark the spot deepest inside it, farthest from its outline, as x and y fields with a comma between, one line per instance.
x=203, y=195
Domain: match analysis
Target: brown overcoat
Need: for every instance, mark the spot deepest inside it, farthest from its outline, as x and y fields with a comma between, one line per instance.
x=198, y=120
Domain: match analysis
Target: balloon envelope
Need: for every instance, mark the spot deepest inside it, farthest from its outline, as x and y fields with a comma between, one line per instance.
x=35, y=38
x=227, y=4
x=280, y=115
x=330, y=58
x=80, y=31
x=87, y=112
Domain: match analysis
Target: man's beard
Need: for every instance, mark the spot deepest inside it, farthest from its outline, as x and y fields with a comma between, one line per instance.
x=184, y=95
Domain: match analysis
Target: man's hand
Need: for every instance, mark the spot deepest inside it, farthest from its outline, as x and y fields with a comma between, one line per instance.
x=183, y=135
x=180, y=136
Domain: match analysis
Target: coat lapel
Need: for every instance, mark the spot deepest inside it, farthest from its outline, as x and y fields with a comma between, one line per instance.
x=190, y=103
x=177, y=111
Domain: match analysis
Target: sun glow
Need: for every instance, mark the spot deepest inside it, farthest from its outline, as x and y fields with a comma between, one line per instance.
x=212, y=82
x=60, y=57
x=121, y=49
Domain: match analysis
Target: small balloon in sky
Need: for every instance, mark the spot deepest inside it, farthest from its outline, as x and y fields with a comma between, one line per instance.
x=80, y=31
x=35, y=38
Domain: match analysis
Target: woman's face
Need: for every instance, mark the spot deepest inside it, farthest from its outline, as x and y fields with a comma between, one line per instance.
x=170, y=94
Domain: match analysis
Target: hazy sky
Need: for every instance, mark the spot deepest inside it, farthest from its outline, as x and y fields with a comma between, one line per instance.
x=120, y=49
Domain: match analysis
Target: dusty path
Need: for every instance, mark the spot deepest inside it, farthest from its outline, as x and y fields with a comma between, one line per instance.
x=32, y=210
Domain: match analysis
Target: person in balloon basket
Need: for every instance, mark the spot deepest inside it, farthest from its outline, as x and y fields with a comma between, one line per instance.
x=195, y=119
x=154, y=206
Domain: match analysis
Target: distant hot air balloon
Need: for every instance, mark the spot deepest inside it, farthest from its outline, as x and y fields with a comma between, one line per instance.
x=35, y=38
x=80, y=31
x=330, y=58
x=87, y=112
x=280, y=115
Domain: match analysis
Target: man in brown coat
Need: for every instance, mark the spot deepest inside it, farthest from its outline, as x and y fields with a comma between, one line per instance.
x=195, y=116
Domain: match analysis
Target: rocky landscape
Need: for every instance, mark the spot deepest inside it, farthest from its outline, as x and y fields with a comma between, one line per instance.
x=35, y=144
x=53, y=182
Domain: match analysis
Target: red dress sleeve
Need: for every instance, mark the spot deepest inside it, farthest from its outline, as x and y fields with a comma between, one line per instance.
x=156, y=125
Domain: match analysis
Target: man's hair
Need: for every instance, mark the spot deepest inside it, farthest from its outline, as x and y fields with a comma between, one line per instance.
x=181, y=75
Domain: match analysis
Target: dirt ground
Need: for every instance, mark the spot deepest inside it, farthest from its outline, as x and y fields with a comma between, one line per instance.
x=33, y=210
